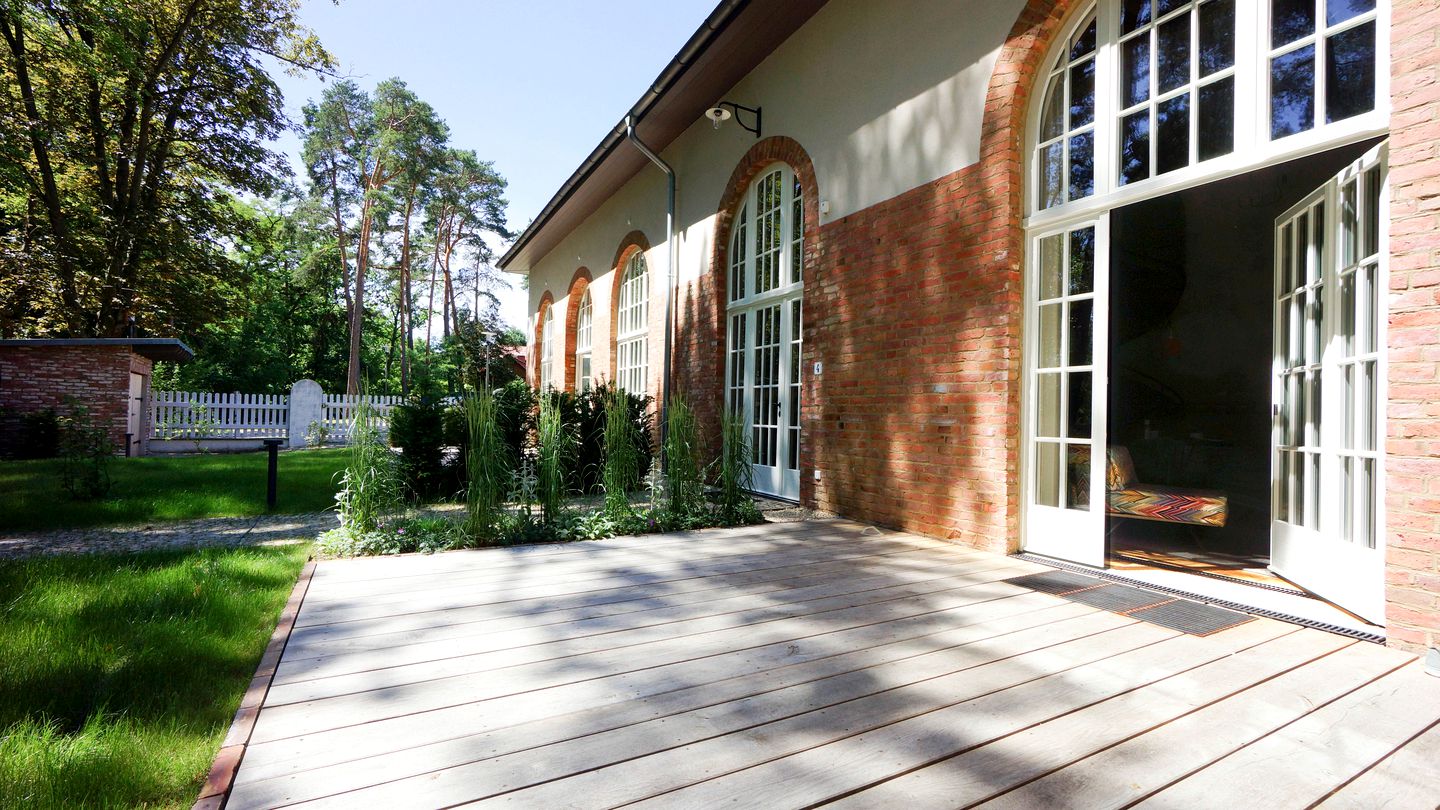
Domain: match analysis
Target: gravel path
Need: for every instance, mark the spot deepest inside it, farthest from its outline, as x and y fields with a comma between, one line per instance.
x=247, y=531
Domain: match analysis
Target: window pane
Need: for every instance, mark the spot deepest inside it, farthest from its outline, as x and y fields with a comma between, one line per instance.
x=1133, y=14
x=1047, y=474
x=1084, y=42
x=1135, y=71
x=1082, y=94
x=1052, y=117
x=1135, y=147
x=1082, y=260
x=1163, y=7
x=1051, y=159
x=1217, y=119
x=1350, y=73
x=1047, y=405
x=1078, y=404
x=1172, y=53
x=1050, y=269
x=1172, y=125
x=1082, y=165
x=1338, y=11
x=1372, y=211
x=1290, y=20
x=1349, y=224
x=1217, y=36
x=1082, y=315
x=1077, y=489
x=1049, y=349
x=1282, y=480
x=1292, y=92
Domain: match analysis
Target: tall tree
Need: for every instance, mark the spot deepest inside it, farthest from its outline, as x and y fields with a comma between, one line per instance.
x=128, y=124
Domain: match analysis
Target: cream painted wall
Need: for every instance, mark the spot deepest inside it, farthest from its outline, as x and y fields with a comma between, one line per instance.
x=883, y=96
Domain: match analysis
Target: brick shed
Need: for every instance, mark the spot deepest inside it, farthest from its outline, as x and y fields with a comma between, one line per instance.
x=110, y=376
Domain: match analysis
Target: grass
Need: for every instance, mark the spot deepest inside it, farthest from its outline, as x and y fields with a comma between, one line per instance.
x=155, y=489
x=119, y=674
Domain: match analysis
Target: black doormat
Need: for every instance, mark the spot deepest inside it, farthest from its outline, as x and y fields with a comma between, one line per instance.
x=1119, y=598
x=1059, y=583
x=1191, y=617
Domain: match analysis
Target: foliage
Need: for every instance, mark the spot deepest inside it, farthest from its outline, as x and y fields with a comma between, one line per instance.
x=425, y=535
x=515, y=406
x=733, y=478
x=146, y=490
x=85, y=453
x=487, y=468
x=119, y=675
x=684, y=487
x=198, y=425
x=623, y=469
x=316, y=434
x=39, y=435
x=370, y=484
x=555, y=453
x=129, y=125
x=418, y=428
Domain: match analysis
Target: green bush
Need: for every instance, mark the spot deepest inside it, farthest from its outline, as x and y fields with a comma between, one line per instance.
x=418, y=428
x=425, y=535
x=85, y=453
x=487, y=467
x=684, y=487
x=555, y=453
x=733, y=478
x=622, y=466
x=370, y=486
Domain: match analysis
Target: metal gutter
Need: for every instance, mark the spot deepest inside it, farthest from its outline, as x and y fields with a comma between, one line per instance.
x=672, y=262
x=693, y=49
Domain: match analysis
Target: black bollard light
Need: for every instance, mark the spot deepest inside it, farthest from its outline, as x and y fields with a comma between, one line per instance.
x=273, y=446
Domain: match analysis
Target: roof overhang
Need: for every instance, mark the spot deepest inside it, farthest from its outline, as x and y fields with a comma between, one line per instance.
x=735, y=38
x=170, y=349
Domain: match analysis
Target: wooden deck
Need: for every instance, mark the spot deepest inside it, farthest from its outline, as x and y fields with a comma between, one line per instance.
x=795, y=665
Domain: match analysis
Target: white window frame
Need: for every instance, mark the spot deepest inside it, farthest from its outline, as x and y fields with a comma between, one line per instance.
x=1254, y=148
x=584, y=335
x=632, y=322
x=547, y=349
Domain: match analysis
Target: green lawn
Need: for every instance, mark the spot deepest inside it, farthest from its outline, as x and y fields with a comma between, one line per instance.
x=119, y=674
x=147, y=489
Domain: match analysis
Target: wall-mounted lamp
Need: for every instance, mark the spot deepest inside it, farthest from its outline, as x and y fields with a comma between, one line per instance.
x=726, y=110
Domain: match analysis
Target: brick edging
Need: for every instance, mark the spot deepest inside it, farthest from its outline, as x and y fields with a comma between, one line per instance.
x=232, y=750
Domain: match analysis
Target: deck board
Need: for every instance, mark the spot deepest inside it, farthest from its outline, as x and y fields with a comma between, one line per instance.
x=802, y=664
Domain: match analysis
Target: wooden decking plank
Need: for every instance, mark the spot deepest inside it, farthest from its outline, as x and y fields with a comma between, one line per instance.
x=315, y=715
x=816, y=773
x=1123, y=774
x=679, y=686
x=982, y=772
x=588, y=635
x=412, y=620
x=681, y=559
x=1408, y=778
x=640, y=605
x=450, y=598
x=1321, y=751
x=582, y=751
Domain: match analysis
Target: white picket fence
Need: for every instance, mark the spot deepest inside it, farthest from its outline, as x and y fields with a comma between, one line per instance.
x=211, y=415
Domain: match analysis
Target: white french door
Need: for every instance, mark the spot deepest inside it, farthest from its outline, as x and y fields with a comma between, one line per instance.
x=764, y=323
x=1328, y=389
x=1066, y=295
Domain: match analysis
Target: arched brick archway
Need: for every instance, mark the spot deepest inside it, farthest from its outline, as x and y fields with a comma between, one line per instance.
x=546, y=301
x=579, y=284
x=633, y=242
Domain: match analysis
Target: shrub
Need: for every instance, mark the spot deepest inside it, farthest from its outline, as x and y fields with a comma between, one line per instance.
x=487, y=468
x=370, y=488
x=622, y=471
x=418, y=428
x=85, y=453
x=403, y=536
x=684, y=489
x=316, y=434
x=735, y=506
x=515, y=414
x=555, y=451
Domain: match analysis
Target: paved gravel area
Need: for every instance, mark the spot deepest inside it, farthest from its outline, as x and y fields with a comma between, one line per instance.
x=247, y=531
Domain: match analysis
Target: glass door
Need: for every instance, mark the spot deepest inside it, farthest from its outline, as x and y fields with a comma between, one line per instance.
x=1065, y=361
x=1328, y=383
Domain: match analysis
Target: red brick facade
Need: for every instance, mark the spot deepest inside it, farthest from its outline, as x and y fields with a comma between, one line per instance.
x=578, y=285
x=37, y=378
x=1413, y=414
x=546, y=301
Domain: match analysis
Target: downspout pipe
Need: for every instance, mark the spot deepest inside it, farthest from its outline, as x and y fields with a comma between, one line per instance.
x=672, y=265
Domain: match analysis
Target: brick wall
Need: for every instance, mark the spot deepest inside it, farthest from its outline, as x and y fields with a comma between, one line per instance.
x=1413, y=414
x=34, y=378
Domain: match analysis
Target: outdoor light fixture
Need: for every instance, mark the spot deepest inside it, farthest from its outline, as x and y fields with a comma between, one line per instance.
x=726, y=110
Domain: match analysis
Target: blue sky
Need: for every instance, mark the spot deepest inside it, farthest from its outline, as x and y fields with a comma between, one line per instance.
x=533, y=85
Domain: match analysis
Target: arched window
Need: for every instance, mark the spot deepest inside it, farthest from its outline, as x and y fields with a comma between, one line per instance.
x=632, y=344
x=583, y=337
x=547, y=350
x=1189, y=89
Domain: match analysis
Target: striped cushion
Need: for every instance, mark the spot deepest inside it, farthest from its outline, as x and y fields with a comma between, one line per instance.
x=1169, y=504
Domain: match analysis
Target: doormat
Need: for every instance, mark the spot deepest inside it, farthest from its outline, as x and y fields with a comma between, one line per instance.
x=1191, y=617
x=1059, y=583
x=1119, y=598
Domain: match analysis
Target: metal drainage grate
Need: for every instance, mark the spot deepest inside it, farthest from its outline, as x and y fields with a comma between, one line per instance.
x=1059, y=583
x=1190, y=617
x=1118, y=598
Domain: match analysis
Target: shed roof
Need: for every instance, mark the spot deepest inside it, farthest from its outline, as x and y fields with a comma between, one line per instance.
x=732, y=41
x=171, y=349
